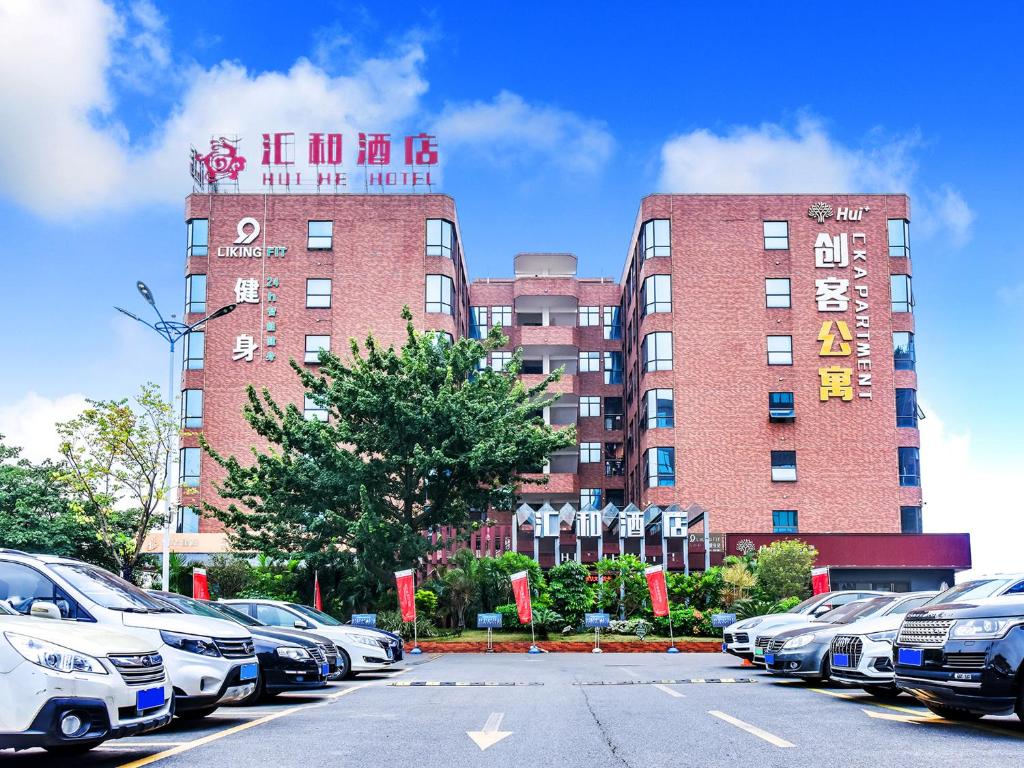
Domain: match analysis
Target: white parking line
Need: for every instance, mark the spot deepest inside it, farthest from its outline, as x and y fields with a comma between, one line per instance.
x=752, y=729
x=669, y=691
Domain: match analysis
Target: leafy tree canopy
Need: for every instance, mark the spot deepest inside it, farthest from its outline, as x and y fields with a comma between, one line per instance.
x=784, y=569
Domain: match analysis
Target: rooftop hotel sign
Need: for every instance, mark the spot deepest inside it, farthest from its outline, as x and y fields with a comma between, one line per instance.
x=381, y=163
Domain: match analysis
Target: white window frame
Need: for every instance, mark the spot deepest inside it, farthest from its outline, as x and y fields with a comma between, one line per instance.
x=589, y=316
x=500, y=360
x=590, y=362
x=318, y=300
x=780, y=350
x=314, y=344
x=590, y=405
x=311, y=411
x=590, y=453
x=319, y=242
x=775, y=298
x=776, y=237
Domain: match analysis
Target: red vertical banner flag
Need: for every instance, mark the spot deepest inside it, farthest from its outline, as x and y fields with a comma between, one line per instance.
x=658, y=589
x=406, y=594
x=200, y=586
x=318, y=602
x=521, y=589
x=819, y=580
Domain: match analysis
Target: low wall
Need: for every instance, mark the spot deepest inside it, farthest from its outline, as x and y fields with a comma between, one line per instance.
x=559, y=646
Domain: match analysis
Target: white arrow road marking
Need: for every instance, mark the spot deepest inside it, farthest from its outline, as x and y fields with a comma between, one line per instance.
x=751, y=729
x=489, y=735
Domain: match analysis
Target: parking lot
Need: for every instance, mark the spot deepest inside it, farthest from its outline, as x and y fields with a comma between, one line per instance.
x=566, y=710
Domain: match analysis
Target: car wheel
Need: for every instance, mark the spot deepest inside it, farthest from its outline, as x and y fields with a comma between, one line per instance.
x=1019, y=708
x=344, y=665
x=196, y=714
x=882, y=691
x=70, y=750
x=953, y=713
x=826, y=669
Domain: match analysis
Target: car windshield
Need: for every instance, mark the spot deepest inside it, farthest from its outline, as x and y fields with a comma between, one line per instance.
x=195, y=607
x=231, y=614
x=806, y=605
x=6, y=610
x=846, y=614
x=107, y=590
x=315, y=615
x=969, y=590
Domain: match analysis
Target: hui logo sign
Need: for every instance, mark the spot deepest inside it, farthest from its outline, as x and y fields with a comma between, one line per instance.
x=821, y=210
x=222, y=162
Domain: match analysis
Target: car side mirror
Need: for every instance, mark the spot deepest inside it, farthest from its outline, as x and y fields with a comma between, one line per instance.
x=822, y=609
x=300, y=624
x=43, y=610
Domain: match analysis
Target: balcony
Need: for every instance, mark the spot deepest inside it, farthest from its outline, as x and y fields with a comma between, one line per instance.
x=547, y=335
x=566, y=385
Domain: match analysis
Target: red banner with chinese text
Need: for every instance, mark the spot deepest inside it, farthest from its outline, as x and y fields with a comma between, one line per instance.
x=521, y=589
x=200, y=586
x=406, y=594
x=658, y=589
x=820, y=580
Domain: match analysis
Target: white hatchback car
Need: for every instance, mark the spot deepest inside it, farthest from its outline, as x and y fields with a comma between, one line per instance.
x=67, y=689
x=210, y=662
x=359, y=649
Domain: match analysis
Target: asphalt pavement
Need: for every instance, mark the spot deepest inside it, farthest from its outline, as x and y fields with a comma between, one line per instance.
x=592, y=711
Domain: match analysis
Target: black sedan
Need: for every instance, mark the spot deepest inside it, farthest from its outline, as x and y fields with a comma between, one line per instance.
x=290, y=660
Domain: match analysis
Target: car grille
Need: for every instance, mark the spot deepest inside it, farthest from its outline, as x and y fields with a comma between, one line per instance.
x=924, y=632
x=965, y=661
x=140, y=670
x=330, y=653
x=762, y=641
x=776, y=644
x=317, y=653
x=851, y=645
x=742, y=637
x=727, y=637
x=234, y=649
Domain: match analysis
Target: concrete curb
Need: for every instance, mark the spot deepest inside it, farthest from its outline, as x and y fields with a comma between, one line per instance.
x=561, y=646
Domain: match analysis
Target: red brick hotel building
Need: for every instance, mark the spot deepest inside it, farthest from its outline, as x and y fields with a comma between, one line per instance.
x=754, y=360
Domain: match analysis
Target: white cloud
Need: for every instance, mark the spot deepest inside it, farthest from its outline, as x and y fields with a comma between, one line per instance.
x=964, y=491
x=30, y=423
x=508, y=131
x=772, y=158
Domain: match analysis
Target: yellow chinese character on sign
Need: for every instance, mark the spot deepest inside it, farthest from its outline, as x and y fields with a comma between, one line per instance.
x=836, y=382
x=827, y=337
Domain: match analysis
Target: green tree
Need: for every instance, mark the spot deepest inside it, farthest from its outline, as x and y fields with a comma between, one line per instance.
x=116, y=454
x=623, y=589
x=571, y=594
x=460, y=587
x=417, y=438
x=37, y=513
x=784, y=569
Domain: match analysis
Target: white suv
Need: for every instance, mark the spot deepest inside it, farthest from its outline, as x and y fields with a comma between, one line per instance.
x=360, y=650
x=67, y=689
x=210, y=662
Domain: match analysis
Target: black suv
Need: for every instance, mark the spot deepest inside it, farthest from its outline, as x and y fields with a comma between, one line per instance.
x=964, y=660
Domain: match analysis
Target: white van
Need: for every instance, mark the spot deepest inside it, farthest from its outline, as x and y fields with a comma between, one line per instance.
x=67, y=689
x=210, y=662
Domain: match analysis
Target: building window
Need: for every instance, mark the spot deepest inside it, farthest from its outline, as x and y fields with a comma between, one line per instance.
x=195, y=294
x=187, y=520
x=656, y=294
x=784, y=521
x=589, y=316
x=659, y=410
x=661, y=467
x=658, y=351
x=590, y=453
x=590, y=362
x=656, y=238
x=441, y=339
x=439, y=294
x=780, y=350
x=901, y=293
x=319, y=235
x=590, y=497
x=478, y=322
x=612, y=367
x=500, y=360
x=192, y=409
x=313, y=346
x=439, y=238
x=904, y=357
x=906, y=408
x=781, y=407
x=590, y=405
x=501, y=316
x=613, y=413
x=195, y=350
x=198, y=237
x=910, y=520
x=776, y=235
x=776, y=293
x=612, y=323
x=189, y=475
x=784, y=466
x=614, y=466
x=899, y=237
x=318, y=292
x=312, y=410
x=910, y=466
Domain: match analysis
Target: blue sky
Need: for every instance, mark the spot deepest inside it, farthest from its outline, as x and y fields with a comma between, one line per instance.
x=551, y=126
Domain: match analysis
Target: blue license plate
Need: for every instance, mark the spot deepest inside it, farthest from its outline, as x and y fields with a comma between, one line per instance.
x=249, y=672
x=725, y=647
x=149, y=698
x=769, y=658
x=913, y=657
x=325, y=669
x=840, y=660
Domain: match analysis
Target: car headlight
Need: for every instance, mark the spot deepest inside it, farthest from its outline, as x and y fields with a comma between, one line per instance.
x=750, y=624
x=190, y=643
x=370, y=642
x=799, y=641
x=292, y=652
x=970, y=629
x=55, y=657
x=890, y=635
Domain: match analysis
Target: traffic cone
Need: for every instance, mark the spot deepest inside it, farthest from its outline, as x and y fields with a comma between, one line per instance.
x=747, y=663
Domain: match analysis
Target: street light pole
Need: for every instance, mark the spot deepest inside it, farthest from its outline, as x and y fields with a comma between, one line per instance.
x=172, y=331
